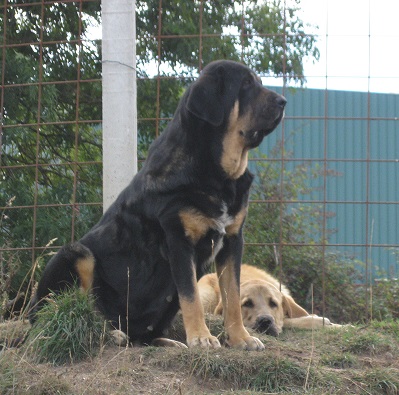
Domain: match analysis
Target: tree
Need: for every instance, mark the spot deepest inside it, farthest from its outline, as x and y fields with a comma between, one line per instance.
x=60, y=142
x=65, y=72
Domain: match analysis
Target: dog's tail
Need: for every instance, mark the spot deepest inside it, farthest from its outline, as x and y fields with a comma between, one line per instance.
x=73, y=264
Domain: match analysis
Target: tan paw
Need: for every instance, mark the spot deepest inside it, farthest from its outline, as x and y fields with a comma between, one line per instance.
x=204, y=342
x=247, y=343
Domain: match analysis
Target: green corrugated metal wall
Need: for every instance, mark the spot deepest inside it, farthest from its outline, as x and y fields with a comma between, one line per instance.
x=347, y=128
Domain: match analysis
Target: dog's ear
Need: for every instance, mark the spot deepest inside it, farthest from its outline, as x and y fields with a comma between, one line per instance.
x=286, y=307
x=292, y=309
x=205, y=99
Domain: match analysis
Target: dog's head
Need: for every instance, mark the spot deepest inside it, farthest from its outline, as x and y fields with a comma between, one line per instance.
x=263, y=307
x=232, y=101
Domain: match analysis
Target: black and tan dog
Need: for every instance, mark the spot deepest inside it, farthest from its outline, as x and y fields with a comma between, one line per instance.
x=266, y=305
x=184, y=209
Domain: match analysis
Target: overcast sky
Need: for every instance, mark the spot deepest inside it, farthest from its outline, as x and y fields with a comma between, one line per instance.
x=358, y=42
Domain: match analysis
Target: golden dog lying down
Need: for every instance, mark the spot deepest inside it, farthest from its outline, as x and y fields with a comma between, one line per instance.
x=264, y=307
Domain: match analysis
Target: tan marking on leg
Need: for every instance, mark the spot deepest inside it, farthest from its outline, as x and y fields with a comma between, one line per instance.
x=197, y=332
x=238, y=336
x=234, y=159
x=85, y=269
x=195, y=224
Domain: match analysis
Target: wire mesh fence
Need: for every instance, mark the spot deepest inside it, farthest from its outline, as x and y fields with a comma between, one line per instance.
x=324, y=205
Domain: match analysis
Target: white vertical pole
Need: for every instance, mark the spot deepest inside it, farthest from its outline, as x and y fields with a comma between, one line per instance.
x=119, y=96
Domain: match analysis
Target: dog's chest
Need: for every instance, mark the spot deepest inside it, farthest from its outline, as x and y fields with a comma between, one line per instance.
x=221, y=224
x=211, y=218
x=211, y=241
x=223, y=220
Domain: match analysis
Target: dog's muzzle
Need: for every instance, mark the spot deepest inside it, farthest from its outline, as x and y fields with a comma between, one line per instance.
x=265, y=324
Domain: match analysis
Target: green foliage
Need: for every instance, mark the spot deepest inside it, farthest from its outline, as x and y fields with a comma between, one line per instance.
x=59, y=143
x=68, y=329
x=387, y=327
x=386, y=299
x=259, y=42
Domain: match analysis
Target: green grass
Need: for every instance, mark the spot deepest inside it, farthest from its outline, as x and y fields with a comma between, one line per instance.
x=8, y=373
x=67, y=330
x=386, y=327
x=367, y=342
x=352, y=360
x=241, y=370
x=343, y=360
x=380, y=381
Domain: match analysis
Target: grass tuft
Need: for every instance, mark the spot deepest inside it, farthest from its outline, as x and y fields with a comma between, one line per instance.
x=381, y=381
x=278, y=375
x=68, y=329
x=391, y=326
x=339, y=360
x=7, y=375
x=367, y=342
x=241, y=370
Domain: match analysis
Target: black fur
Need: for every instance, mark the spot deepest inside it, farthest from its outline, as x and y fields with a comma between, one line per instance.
x=142, y=252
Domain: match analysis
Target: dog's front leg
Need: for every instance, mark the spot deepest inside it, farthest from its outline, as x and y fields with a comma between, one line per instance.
x=181, y=257
x=228, y=270
x=197, y=332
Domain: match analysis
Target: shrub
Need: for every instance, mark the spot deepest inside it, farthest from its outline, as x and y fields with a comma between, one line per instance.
x=386, y=299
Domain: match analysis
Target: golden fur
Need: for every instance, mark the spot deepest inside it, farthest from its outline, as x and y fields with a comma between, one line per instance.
x=266, y=305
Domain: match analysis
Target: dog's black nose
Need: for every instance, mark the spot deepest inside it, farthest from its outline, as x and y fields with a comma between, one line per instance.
x=281, y=101
x=265, y=324
x=264, y=321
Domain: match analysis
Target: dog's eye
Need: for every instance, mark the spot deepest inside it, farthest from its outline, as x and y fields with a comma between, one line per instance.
x=272, y=304
x=248, y=303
